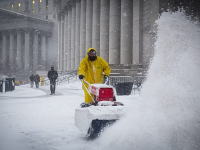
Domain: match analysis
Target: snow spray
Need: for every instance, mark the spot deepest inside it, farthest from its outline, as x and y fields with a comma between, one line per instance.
x=167, y=115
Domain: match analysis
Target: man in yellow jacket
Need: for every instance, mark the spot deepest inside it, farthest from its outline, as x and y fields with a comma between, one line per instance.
x=93, y=68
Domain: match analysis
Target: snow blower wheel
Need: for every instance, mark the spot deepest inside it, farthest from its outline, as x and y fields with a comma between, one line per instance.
x=97, y=126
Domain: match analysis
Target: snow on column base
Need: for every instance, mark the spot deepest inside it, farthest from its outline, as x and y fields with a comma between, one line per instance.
x=84, y=116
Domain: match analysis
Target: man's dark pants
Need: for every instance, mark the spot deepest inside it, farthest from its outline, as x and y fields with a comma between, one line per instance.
x=52, y=86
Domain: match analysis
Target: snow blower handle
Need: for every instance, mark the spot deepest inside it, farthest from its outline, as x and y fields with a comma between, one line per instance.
x=106, y=79
x=87, y=89
x=85, y=81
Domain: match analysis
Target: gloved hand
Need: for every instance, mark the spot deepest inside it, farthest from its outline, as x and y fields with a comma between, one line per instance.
x=81, y=76
x=105, y=76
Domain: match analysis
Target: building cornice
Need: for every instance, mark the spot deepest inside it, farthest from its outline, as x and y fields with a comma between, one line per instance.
x=12, y=20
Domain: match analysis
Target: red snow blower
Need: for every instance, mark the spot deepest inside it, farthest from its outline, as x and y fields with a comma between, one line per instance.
x=103, y=94
x=92, y=118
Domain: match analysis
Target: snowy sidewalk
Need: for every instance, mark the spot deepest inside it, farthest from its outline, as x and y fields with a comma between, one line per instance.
x=23, y=91
x=33, y=119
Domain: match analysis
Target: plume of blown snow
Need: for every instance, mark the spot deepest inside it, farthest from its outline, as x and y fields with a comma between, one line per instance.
x=167, y=115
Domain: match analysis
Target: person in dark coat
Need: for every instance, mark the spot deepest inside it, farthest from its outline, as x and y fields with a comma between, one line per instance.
x=37, y=80
x=32, y=79
x=52, y=75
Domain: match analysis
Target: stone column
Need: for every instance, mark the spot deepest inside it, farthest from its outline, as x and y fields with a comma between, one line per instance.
x=27, y=8
x=65, y=41
x=35, y=51
x=27, y=51
x=62, y=41
x=59, y=43
x=77, y=34
x=73, y=23
x=22, y=7
x=4, y=51
x=126, y=31
x=104, y=30
x=136, y=31
x=50, y=9
x=89, y=23
x=83, y=50
x=11, y=51
x=114, y=32
x=96, y=26
x=19, y=50
x=69, y=38
x=30, y=2
x=43, y=52
x=51, y=3
x=36, y=6
x=43, y=8
x=15, y=9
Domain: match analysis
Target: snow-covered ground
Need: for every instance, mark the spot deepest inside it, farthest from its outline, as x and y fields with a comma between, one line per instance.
x=166, y=116
x=31, y=118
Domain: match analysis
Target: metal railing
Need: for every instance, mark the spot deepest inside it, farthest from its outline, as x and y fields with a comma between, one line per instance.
x=113, y=79
x=62, y=77
x=137, y=81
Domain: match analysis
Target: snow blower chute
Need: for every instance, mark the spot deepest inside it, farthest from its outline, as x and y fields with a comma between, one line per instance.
x=92, y=118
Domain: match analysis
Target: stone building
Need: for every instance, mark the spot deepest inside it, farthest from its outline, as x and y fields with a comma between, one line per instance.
x=34, y=34
x=121, y=31
x=28, y=37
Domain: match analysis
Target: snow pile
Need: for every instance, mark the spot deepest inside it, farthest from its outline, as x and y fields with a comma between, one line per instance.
x=168, y=115
x=84, y=116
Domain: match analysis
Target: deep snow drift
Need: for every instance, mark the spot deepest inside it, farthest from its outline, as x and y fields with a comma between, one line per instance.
x=168, y=115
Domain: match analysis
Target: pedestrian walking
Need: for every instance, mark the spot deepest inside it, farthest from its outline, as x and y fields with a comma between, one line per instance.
x=32, y=79
x=37, y=80
x=52, y=75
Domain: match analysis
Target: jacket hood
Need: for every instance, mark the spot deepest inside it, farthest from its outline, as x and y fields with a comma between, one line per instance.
x=91, y=49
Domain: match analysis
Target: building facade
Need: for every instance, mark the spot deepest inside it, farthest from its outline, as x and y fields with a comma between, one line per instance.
x=28, y=37
x=122, y=31
x=35, y=34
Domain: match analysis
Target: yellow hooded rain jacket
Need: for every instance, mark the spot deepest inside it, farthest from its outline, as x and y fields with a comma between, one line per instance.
x=93, y=72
